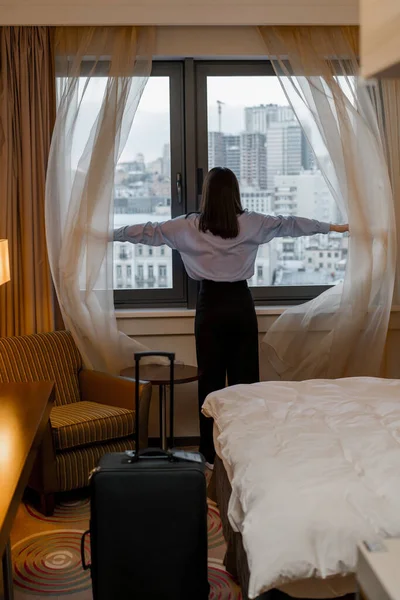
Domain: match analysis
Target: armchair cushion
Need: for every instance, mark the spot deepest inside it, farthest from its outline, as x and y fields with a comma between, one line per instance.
x=84, y=423
x=117, y=391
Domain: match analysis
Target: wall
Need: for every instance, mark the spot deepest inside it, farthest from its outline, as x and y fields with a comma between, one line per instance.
x=380, y=51
x=204, y=42
x=178, y=12
x=172, y=330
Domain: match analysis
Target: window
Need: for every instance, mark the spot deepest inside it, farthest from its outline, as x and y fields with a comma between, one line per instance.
x=145, y=179
x=150, y=276
x=244, y=111
x=192, y=116
x=145, y=190
x=129, y=275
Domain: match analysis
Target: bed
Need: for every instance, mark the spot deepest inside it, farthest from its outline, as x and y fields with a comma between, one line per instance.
x=304, y=471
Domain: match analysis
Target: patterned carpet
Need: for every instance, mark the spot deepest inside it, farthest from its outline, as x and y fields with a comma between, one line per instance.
x=46, y=553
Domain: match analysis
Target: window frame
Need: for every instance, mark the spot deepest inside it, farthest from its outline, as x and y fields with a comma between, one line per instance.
x=263, y=295
x=189, y=156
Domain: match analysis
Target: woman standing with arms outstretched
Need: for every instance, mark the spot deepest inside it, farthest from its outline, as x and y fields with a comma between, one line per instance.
x=218, y=247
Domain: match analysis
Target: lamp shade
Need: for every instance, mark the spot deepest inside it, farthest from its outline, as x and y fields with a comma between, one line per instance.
x=4, y=262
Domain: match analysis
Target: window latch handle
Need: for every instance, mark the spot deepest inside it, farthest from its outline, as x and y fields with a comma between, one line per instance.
x=179, y=187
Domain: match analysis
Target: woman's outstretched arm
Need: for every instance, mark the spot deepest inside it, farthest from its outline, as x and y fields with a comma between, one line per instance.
x=151, y=234
x=279, y=226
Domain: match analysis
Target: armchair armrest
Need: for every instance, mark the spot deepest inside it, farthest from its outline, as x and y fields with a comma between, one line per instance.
x=120, y=392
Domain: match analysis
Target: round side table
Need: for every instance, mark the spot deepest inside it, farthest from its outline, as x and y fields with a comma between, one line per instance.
x=159, y=375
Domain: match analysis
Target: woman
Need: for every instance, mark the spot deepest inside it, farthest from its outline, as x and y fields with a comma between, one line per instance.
x=218, y=247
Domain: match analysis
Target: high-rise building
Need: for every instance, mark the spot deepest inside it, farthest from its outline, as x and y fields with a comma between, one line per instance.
x=253, y=160
x=259, y=118
x=284, y=150
x=307, y=155
x=285, y=113
x=232, y=153
x=288, y=151
x=256, y=200
x=304, y=195
x=216, y=149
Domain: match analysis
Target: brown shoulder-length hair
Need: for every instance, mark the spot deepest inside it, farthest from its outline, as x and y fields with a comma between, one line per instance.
x=220, y=204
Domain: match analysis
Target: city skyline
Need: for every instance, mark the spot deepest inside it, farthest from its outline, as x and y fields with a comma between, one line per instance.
x=235, y=132
x=151, y=125
x=257, y=135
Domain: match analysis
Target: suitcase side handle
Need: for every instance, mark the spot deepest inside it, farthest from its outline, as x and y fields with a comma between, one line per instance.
x=137, y=357
x=83, y=556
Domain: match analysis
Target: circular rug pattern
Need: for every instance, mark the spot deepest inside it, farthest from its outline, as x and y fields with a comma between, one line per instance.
x=214, y=525
x=222, y=585
x=49, y=564
x=65, y=512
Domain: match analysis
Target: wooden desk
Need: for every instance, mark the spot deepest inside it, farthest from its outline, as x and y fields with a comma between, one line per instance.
x=24, y=414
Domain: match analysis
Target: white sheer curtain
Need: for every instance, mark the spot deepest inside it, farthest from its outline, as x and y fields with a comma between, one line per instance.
x=102, y=73
x=343, y=331
x=387, y=98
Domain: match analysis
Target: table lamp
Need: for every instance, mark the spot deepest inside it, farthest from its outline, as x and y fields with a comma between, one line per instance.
x=4, y=262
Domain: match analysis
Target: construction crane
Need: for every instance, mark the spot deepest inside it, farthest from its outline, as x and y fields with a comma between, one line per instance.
x=220, y=114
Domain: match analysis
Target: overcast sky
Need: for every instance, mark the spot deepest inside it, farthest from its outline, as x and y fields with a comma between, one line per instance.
x=151, y=127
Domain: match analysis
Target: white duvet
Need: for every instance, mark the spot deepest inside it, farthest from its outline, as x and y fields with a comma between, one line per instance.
x=314, y=468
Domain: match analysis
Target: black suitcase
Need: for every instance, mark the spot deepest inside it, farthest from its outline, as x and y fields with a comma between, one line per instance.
x=148, y=527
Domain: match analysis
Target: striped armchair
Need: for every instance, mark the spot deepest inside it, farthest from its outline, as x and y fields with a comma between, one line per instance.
x=93, y=412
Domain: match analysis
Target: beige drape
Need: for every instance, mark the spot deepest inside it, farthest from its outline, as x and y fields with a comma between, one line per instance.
x=27, y=114
x=342, y=332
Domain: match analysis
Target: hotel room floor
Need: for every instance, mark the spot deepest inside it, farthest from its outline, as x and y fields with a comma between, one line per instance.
x=46, y=553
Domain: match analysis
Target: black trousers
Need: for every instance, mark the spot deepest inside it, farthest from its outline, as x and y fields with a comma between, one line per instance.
x=226, y=345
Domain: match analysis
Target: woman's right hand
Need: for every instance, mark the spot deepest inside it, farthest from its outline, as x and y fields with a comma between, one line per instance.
x=340, y=228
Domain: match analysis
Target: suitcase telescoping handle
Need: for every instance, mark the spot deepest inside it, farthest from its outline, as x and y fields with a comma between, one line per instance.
x=138, y=356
